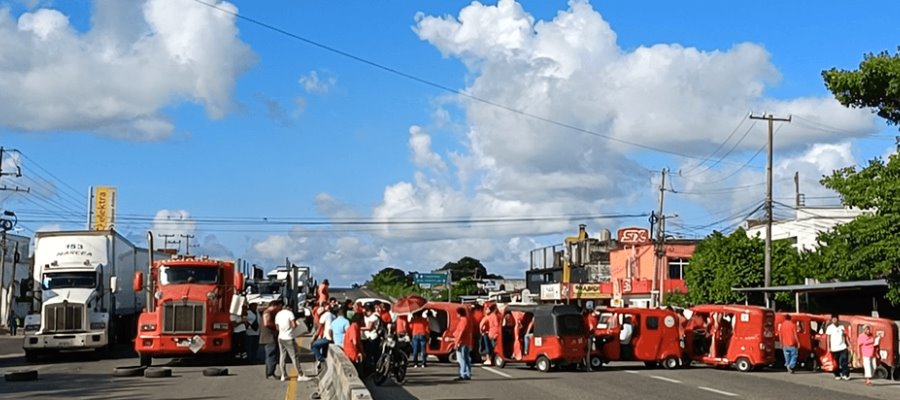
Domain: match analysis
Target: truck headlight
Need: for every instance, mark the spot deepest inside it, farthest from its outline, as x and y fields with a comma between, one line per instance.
x=211, y=295
x=148, y=327
x=220, y=326
x=98, y=325
x=158, y=295
x=32, y=328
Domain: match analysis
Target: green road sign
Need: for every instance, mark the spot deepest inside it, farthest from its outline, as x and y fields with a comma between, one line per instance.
x=431, y=279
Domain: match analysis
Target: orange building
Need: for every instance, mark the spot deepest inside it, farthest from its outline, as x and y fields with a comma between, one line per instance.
x=633, y=264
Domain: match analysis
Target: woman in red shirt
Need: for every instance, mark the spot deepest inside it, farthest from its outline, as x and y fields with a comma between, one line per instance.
x=419, y=327
x=353, y=341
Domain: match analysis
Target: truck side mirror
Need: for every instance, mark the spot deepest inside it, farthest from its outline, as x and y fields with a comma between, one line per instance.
x=113, y=284
x=138, y=281
x=238, y=282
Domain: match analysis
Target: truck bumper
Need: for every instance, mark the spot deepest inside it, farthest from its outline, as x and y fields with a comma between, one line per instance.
x=175, y=345
x=66, y=341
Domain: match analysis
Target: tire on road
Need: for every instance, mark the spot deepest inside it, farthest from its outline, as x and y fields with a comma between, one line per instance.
x=543, y=364
x=212, y=371
x=452, y=358
x=136, y=370
x=596, y=362
x=21, y=376
x=157, y=372
x=671, y=362
x=499, y=361
x=145, y=360
x=881, y=372
x=743, y=364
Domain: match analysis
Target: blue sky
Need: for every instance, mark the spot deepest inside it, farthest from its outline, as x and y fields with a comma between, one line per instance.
x=193, y=114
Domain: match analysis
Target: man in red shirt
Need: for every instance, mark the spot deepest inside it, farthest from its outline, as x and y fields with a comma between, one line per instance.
x=419, y=327
x=352, y=342
x=787, y=333
x=322, y=292
x=462, y=337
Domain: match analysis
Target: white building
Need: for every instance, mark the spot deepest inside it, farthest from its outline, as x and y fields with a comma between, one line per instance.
x=806, y=225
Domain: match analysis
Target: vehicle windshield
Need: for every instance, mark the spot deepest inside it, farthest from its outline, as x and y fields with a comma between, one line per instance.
x=264, y=288
x=169, y=275
x=62, y=280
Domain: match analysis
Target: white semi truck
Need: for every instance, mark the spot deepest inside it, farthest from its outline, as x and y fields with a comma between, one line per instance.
x=83, y=294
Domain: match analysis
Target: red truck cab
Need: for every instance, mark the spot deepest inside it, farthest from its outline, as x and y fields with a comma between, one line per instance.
x=189, y=308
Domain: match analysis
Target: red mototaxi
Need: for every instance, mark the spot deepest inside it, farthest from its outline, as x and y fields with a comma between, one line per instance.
x=558, y=336
x=657, y=338
x=731, y=335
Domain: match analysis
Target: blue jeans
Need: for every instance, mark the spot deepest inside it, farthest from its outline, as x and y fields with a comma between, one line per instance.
x=487, y=346
x=319, y=348
x=465, y=363
x=842, y=359
x=790, y=357
x=527, y=341
x=418, y=347
x=271, y=358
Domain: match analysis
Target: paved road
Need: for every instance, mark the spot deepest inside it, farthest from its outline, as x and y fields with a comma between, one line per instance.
x=628, y=381
x=79, y=376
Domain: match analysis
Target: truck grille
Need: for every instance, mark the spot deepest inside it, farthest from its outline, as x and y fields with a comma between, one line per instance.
x=64, y=317
x=183, y=318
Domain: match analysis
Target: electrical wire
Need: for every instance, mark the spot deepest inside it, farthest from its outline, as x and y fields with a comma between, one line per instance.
x=705, y=159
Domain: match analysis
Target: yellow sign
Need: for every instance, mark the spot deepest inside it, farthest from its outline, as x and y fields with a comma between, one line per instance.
x=104, y=208
x=588, y=291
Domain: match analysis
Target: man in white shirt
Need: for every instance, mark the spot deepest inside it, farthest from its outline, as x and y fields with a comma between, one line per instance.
x=625, y=334
x=837, y=345
x=325, y=336
x=286, y=323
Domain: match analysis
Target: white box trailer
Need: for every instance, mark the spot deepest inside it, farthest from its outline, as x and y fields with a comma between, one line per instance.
x=84, y=298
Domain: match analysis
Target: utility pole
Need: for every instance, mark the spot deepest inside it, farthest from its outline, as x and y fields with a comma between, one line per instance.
x=798, y=197
x=166, y=240
x=187, y=244
x=17, y=174
x=768, y=254
x=657, y=283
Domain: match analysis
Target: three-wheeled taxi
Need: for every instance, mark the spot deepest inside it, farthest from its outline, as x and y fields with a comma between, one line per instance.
x=657, y=337
x=886, y=343
x=811, y=350
x=542, y=335
x=442, y=320
x=732, y=335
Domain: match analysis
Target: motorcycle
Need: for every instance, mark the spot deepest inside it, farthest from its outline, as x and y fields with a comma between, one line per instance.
x=393, y=361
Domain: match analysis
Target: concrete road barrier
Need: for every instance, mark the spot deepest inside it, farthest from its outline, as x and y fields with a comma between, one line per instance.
x=338, y=379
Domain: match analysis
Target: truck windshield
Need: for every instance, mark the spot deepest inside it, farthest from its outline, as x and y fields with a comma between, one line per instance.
x=62, y=280
x=264, y=288
x=176, y=275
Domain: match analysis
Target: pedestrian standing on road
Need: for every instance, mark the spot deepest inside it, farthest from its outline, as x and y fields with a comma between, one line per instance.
x=787, y=333
x=325, y=335
x=626, y=350
x=239, y=334
x=866, y=347
x=268, y=336
x=252, y=346
x=462, y=340
x=418, y=325
x=12, y=323
x=837, y=345
x=286, y=322
x=371, y=336
x=339, y=327
x=322, y=292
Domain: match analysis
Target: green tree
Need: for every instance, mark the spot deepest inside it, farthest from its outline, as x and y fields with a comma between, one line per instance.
x=869, y=246
x=722, y=262
x=468, y=267
x=875, y=84
x=393, y=282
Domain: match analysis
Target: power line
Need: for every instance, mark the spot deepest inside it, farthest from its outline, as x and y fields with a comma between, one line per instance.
x=440, y=86
x=705, y=159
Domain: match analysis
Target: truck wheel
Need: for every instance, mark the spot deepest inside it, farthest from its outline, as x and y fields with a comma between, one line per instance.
x=129, y=371
x=499, y=361
x=671, y=362
x=543, y=364
x=881, y=372
x=145, y=360
x=452, y=358
x=743, y=364
x=215, y=372
x=21, y=376
x=596, y=362
x=157, y=372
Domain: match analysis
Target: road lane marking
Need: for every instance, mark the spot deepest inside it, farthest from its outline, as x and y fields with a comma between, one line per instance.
x=631, y=371
x=291, y=392
x=663, y=378
x=717, y=391
x=503, y=374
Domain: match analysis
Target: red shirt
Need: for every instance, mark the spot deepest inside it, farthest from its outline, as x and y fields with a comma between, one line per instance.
x=385, y=317
x=787, y=333
x=463, y=333
x=477, y=315
x=402, y=325
x=352, y=345
x=419, y=326
x=323, y=294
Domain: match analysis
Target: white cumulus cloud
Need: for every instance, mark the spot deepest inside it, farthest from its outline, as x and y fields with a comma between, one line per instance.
x=137, y=58
x=312, y=83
